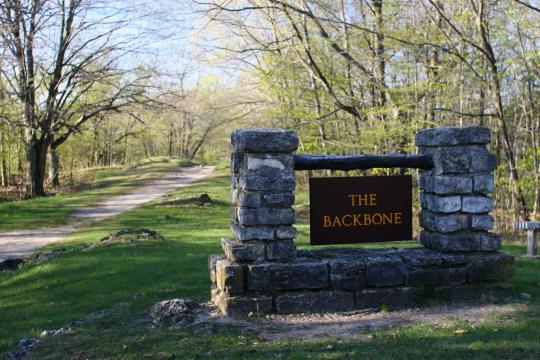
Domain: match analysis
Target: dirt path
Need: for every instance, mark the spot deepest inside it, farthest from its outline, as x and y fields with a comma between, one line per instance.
x=21, y=243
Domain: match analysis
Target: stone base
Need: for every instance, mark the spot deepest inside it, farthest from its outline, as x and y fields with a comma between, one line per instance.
x=336, y=280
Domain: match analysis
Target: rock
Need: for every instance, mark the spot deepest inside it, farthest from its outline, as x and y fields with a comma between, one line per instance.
x=477, y=204
x=482, y=222
x=204, y=199
x=436, y=277
x=273, y=183
x=10, y=264
x=484, y=266
x=525, y=296
x=268, y=165
x=266, y=216
x=247, y=233
x=394, y=297
x=420, y=257
x=484, y=184
x=443, y=223
x=440, y=204
x=243, y=251
x=286, y=232
x=314, y=302
x=131, y=236
x=264, y=140
x=446, y=185
x=278, y=199
x=451, y=242
x=241, y=306
x=60, y=331
x=175, y=312
x=212, y=259
x=453, y=135
x=281, y=249
x=385, y=270
x=229, y=277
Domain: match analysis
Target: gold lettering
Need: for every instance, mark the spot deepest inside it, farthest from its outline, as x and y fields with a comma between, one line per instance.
x=397, y=218
x=367, y=219
x=387, y=218
x=352, y=196
x=372, y=199
x=326, y=221
x=362, y=199
x=336, y=221
x=343, y=220
x=356, y=220
x=376, y=216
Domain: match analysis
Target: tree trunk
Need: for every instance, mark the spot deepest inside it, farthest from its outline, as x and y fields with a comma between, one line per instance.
x=36, y=155
x=54, y=168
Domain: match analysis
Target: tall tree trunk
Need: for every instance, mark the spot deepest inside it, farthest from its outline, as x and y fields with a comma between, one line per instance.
x=36, y=156
x=54, y=168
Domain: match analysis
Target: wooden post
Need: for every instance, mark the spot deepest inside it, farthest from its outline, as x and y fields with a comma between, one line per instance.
x=531, y=242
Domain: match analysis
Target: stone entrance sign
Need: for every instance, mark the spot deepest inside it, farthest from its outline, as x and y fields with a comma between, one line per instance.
x=347, y=210
x=263, y=272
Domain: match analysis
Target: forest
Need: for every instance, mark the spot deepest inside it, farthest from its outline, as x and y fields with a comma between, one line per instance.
x=94, y=83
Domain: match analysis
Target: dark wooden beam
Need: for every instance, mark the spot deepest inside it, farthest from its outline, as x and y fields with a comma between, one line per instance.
x=355, y=162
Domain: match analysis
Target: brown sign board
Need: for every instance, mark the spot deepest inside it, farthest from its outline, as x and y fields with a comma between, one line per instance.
x=347, y=210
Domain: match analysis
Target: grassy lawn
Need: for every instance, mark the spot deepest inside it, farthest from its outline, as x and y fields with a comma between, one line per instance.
x=96, y=185
x=110, y=289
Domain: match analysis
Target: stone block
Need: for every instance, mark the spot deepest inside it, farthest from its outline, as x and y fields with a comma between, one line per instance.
x=477, y=204
x=264, y=140
x=269, y=165
x=385, y=270
x=278, y=199
x=489, y=241
x=486, y=291
x=347, y=273
x=274, y=183
x=451, y=242
x=420, y=257
x=431, y=277
x=461, y=160
x=482, y=222
x=441, y=204
x=489, y=266
x=446, y=185
x=394, y=297
x=453, y=135
x=443, y=223
x=300, y=273
x=280, y=249
x=286, y=232
x=249, y=233
x=237, y=251
x=314, y=302
x=484, y=184
x=250, y=199
x=454, y=259
x=243, y=305
x=212, y=259
x=229, y=277
x=236, y=161
x=425, y=181
x=266, y=216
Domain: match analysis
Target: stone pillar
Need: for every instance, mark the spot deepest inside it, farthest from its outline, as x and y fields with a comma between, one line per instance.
x=455, y=194
x=262, y=195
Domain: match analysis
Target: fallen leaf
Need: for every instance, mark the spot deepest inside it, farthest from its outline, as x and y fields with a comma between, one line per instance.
x=459, y=331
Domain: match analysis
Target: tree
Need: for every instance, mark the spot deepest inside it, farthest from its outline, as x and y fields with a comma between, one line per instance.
x=58, y=52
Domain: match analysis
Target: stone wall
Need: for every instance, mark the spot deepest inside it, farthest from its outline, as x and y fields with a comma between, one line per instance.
x=262, y=272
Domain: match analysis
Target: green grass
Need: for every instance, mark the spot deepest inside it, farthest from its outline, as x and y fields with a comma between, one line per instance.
x=76, y=285
x=97, y=184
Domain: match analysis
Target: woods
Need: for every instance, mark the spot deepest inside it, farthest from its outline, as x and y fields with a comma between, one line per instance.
x=79, y=86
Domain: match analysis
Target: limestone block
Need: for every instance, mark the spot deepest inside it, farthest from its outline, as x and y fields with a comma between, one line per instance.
x=420, y=257
x=300, y=273
x=242, y=251
x=477, y=204
x=454, y=259
x=286, y=232
x=236, y=161
x=264, y=140
x=461, y=160
x=425, y=181
x=436, y=276
x=441, y=204
x=484, y=184
x=447, y=185
x=314, y=302
x=443, y=223
x=266, y=216
x=250, y=199
x=385, y=270
x=280, y=249
x=394, y=297
x=484, y=266
x=249, y=233
x=229, y=277
x=270, y=165
x=278, y=199
x=347, y=273
x=453, y=135
x=488, y=241
x=451, y=242
x=242, y=305
x=258, y=182
x=482, y=222
x=212, y=259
